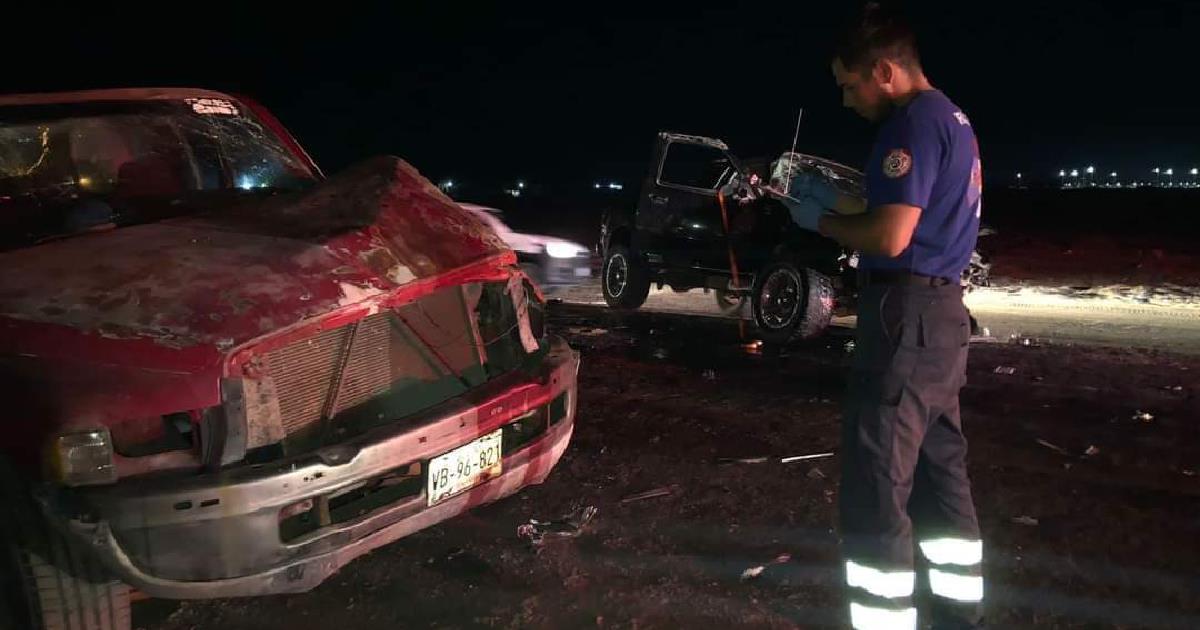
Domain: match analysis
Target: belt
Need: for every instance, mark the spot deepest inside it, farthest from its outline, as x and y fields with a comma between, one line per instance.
x=890, y=277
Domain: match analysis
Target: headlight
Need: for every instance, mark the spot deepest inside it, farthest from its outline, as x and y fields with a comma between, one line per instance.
x=83, y=458
x=563, y=250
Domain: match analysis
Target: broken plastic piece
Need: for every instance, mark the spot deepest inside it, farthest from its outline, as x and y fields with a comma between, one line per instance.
x=1092, y=450
x=1028, y=521
x=1142, y=416
x=1052, y=446
x=651, y=494
x=801, y=458
x=569, y=526
x=1004, y=369
x=765, y=459
x=755, y=571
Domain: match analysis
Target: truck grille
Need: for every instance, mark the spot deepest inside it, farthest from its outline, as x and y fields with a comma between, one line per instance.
x=307, y=371
x=394, y=363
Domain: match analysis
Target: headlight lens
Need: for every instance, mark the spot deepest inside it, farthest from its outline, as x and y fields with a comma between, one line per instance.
x=83, y=458
x=563, y=250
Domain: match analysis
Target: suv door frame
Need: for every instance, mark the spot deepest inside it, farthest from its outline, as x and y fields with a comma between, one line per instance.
x=651, y=228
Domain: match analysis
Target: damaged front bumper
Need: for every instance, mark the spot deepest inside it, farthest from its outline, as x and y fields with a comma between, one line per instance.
x=220, y=535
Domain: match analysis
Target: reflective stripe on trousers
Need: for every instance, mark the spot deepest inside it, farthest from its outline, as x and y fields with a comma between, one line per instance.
x=881, y=599
x=954, y=568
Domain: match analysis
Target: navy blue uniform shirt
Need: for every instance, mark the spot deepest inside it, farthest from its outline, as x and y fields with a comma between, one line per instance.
x=926, y=156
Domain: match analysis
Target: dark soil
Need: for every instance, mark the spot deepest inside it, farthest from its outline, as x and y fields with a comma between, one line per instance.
x=1073, y=540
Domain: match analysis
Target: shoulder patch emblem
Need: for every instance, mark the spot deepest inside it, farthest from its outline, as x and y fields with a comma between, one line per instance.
x=962, y=118
x=897, y=163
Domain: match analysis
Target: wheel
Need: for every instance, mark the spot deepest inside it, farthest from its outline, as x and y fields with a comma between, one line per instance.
x=625, y=281
x=791, y=302
x=728, y=302
x=50, y=583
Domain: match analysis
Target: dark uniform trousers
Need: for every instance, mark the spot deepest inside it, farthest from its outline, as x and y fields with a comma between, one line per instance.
x=905, y=497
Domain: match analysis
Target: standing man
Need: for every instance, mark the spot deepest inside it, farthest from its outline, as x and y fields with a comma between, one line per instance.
x=904, y=483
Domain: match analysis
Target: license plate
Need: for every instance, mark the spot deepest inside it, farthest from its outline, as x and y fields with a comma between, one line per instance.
x=464, y=467
x=583, y=272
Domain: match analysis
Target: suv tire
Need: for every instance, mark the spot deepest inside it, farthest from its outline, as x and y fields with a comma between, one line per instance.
x=624, y=279
x=791, y=302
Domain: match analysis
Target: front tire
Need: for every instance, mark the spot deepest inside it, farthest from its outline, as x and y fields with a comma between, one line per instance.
x=791, y=302
x=624, y=279
x=49, y=582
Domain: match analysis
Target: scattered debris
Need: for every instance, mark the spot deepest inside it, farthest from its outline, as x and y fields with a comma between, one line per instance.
x=816, y=473
x=1091, y=450
x=569, y=526
x=1028, y=521
x=710, y=375
x=1142, y=416
x=1189, y=473
x=1004, y=369
x=1052, y=446
x=1173, y=388
x=753, y=572
x=801, y=458
x=660, y=353
x=651, y=494
x=743, y=460
x=587, y=332
x=1024, y=341
x=764, y=460
x=849, y=347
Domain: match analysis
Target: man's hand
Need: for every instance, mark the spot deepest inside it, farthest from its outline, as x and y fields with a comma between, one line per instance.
x=886, y=230
x=805, y=212
x=809, y=185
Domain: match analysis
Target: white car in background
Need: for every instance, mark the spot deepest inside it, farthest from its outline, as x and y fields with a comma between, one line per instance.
x=552, y=262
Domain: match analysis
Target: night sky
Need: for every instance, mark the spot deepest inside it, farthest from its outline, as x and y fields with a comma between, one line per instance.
x=575, y=94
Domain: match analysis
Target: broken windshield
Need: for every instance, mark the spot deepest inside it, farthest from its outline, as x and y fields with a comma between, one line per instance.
x=68, y=168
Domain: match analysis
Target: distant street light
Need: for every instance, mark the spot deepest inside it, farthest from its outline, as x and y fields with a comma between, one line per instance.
x=1171, y=177
x=1157, y=177
x=521, y=185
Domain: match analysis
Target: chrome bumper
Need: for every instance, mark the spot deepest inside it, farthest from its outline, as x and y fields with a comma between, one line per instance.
x=219, y=535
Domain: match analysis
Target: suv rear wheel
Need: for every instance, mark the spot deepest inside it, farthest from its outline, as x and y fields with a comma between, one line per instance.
x=791, y=302
x=625, y=281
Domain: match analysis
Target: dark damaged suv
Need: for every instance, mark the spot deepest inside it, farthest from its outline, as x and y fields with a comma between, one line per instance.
x=702, y=220
x=227, y=375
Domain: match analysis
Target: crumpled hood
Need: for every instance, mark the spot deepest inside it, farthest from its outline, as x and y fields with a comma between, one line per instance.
x=226, y=277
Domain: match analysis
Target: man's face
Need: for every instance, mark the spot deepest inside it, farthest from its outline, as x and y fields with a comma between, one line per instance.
x=861, y=91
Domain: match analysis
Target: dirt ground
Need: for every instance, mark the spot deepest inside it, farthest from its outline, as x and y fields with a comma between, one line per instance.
x=1085, y=462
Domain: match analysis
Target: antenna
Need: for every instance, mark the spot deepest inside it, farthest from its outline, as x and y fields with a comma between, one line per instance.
x=796, y=136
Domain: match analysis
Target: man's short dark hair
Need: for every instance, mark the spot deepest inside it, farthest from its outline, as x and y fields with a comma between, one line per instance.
x=879, y=32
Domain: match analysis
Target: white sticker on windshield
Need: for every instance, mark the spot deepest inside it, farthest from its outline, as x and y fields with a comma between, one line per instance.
x=213, y=106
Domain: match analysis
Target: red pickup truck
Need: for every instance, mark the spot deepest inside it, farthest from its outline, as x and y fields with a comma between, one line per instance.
x=228, y=375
